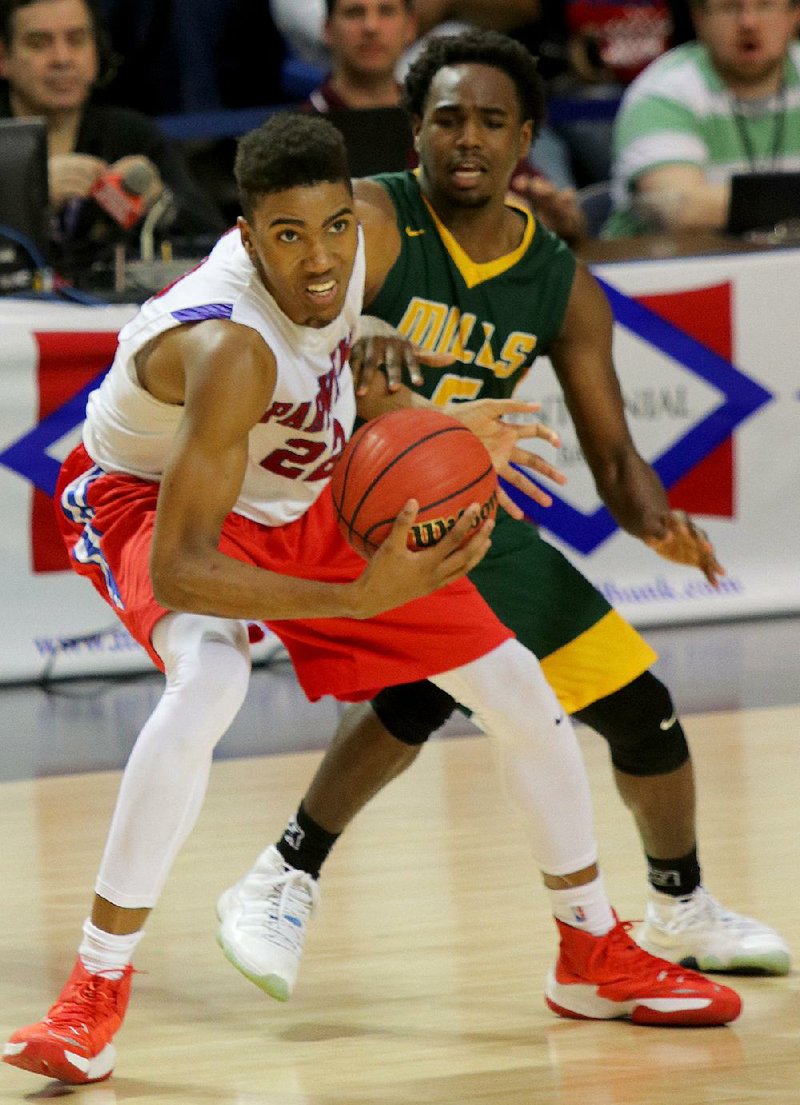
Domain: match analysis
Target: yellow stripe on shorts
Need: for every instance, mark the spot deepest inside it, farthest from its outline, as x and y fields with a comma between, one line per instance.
x=598, y=662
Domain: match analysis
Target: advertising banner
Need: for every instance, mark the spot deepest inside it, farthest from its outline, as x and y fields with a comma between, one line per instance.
x=706, y=351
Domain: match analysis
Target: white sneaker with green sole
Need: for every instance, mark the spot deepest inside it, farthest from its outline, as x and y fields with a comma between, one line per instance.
x=699, y=932
x=263, y=922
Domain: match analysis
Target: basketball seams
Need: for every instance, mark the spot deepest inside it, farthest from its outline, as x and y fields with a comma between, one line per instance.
x=395, y=460
x=339, y=504
x=429, y=506
x=391, y=455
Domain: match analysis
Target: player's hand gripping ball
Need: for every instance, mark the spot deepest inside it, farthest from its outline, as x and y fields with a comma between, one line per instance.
x=417, y=454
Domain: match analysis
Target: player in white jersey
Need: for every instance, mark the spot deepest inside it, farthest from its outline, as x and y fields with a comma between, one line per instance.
x=126, y=431
x=199, y=501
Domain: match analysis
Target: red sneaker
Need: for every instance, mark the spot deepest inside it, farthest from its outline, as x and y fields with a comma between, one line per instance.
x=73, y=1042
x=605, y=977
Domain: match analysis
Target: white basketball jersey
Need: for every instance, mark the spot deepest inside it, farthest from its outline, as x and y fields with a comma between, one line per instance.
x=293, y=448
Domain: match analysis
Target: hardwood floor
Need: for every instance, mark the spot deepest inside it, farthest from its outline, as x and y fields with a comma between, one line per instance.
x=422, y=979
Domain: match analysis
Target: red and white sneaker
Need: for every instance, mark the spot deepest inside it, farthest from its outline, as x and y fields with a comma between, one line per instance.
x=73, y=1042
x=609, y=977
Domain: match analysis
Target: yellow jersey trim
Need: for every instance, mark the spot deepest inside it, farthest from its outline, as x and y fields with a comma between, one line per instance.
x=475, y=272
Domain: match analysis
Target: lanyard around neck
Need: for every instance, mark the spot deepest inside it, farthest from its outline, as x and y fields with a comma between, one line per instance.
x=778, y=130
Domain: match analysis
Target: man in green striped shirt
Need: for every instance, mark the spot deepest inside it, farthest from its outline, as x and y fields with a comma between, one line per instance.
x=726, y=104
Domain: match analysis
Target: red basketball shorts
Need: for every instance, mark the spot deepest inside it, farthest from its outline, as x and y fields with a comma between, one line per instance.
x=107, y=523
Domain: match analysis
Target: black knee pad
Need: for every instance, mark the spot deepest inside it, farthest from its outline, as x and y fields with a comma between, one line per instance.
x=641, y=727
x=412, y=711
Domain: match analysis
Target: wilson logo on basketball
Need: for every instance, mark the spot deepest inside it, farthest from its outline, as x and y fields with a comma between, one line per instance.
x=432, y=530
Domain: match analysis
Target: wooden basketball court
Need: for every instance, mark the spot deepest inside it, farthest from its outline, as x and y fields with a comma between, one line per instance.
x=422, y=979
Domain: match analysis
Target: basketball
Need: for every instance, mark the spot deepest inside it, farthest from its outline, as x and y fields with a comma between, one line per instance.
x=417, y=454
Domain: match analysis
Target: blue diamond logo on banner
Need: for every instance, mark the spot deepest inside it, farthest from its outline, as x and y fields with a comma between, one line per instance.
x=29, y=455
x=585, y=531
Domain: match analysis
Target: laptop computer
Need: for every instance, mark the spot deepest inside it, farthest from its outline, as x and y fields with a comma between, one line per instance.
x=378, y=139
x=24, y=200
x=761, y=200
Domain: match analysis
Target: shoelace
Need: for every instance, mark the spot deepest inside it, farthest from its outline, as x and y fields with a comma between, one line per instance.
x=95, y=993
x=280, y=907
x=700, y=909
x=661, y=970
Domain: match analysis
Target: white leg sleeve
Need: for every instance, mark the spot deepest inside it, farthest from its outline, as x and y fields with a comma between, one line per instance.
x=207, y=662
x=538, y=751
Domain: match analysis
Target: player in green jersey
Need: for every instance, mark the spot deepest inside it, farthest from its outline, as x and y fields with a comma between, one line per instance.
x=456, y=267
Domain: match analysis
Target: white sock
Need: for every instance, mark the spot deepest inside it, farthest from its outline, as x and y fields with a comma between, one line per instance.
x=584, y=907
x=105, y=952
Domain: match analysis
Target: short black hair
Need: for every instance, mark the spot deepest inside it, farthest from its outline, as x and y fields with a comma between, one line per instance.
x=107, y=60
x=477, y=47
x=291, y=149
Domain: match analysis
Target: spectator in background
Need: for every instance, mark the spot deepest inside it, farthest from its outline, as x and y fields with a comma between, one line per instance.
x=591, y=50
x=362, y=75
x=366, y=39
x=727, y=104
x=302, y=24
x=51, y=56
x=303, y=29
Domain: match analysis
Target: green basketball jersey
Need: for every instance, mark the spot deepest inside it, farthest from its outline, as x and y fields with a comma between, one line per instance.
x=496, y=317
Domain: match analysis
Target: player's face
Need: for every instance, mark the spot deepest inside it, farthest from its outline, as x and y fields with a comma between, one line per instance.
x=748, y=39
x=470, y=136
x=303, y=244
x=51, y=60
x=367, y=37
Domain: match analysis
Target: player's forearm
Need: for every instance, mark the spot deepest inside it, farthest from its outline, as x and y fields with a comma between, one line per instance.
x=634, y=494
x=703, y=205
x=218, y=585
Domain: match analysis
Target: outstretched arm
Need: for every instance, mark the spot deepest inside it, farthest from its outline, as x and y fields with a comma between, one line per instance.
x=627, y=484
